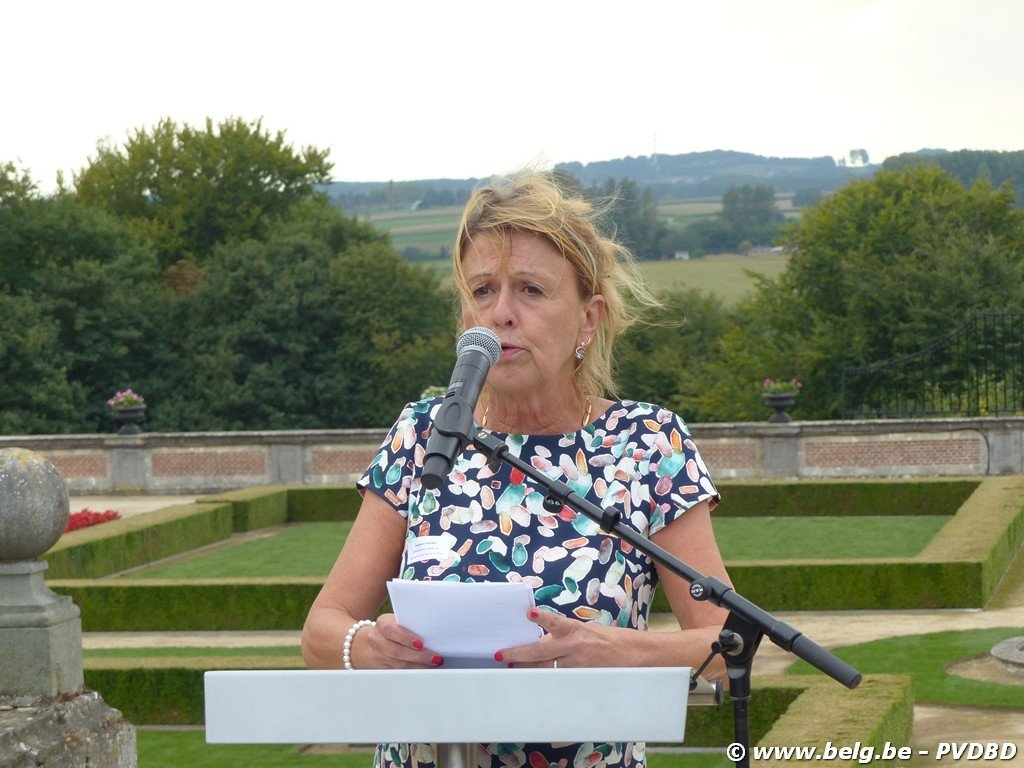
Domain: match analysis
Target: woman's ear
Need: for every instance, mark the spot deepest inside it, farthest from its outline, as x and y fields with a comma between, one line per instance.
x=592, y=314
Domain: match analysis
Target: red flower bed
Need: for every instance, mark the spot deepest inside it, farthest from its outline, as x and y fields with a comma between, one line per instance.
x=87, y=517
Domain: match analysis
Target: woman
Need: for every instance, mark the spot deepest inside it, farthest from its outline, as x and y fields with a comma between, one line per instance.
x=531, y=265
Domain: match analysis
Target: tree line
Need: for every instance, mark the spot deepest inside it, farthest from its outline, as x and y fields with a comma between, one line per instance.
x=200, y=267
x=205, y=268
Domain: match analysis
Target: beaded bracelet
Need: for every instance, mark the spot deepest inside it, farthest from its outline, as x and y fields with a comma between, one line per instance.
x=346, y=648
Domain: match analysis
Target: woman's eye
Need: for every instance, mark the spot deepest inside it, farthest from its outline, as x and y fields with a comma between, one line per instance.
x=533, y=290
x=482, y=290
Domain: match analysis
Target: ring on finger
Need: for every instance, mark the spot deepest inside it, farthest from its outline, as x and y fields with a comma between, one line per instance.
x=554, y=663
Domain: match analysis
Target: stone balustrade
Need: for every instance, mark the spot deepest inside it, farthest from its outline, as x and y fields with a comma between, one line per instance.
x=201, y=462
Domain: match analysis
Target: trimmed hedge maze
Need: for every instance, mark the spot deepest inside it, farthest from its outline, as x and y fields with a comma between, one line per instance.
x=959, y=568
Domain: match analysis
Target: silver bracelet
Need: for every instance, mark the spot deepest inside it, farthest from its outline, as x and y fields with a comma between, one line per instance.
x=346, y=648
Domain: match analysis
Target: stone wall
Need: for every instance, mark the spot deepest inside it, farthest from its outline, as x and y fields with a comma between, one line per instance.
x=201, y=462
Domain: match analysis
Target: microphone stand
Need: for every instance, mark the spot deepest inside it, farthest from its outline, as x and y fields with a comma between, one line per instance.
x=746, y=624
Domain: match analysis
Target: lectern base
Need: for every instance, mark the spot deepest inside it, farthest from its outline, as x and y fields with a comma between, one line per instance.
x=456, y=755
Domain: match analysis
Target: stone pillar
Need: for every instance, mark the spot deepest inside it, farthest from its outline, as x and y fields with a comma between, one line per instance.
x=782, y=451
x=46, y=715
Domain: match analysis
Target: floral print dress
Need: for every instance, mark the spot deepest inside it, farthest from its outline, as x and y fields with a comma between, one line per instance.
x=492, y=526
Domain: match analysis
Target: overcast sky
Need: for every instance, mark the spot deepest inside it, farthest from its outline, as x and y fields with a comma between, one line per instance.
x=413, y=90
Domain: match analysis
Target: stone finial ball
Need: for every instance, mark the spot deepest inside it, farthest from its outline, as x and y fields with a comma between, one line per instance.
x=34, y=504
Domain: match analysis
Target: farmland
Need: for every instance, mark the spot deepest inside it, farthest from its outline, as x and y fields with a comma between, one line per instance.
x=724, y=275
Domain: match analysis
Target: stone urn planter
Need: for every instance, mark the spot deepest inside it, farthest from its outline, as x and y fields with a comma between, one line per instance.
x=780, y=403
x=129, y=417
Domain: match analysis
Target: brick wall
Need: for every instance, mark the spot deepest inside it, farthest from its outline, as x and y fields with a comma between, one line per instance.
x=886, y=452
x=204, y=462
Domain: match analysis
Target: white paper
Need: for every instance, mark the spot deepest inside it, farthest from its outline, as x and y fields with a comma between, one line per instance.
x=465, y=622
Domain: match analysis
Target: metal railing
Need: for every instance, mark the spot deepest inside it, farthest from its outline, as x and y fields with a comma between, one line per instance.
x=978, y=370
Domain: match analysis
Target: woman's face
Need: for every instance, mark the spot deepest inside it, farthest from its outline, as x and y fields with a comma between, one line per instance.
x=530, y=298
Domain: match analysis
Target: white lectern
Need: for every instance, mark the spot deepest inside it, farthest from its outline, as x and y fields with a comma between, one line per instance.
x=368, y=706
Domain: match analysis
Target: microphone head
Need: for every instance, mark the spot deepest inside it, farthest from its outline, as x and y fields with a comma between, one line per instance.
x=483, y=339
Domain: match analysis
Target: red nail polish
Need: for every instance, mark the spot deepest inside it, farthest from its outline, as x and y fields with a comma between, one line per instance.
x=417, y=644
x=511, y=665
x=533, y=613
x=499, y=656
x=437, y=661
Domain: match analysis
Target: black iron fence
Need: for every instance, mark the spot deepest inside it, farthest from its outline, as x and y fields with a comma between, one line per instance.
x=978, y=370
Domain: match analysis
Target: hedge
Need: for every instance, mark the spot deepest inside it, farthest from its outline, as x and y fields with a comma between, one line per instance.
x=314, y=504
x=960, y=568
x=166, y=691
x=169, y=691
x=255, y=508
x=987, y=530
x=131, y=605
x=133, y=541
x=880, y=710
x=116, y=546
x=844, y=497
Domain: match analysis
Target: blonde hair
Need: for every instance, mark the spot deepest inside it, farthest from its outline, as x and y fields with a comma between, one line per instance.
x=533, y=202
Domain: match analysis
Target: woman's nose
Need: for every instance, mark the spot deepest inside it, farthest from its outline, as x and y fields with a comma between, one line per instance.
x=503, y=311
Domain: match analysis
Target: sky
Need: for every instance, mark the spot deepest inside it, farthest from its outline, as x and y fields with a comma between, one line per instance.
x=453, y=89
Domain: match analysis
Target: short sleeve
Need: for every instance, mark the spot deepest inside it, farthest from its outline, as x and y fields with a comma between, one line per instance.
x=391, y=472
x=678, y=477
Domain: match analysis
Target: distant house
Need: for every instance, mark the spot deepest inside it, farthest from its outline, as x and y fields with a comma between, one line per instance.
x=681, y=255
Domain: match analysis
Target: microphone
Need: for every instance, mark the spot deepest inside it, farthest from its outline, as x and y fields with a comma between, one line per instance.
x=478, y=349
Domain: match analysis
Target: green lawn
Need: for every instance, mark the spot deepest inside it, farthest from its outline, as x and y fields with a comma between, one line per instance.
x=303, y=549
x=184, y=652
x=310, y=549
x=797, y=538
x=173, y=749
x=925, y=657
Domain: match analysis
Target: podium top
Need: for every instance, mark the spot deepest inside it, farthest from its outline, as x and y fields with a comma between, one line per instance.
x=369, y=706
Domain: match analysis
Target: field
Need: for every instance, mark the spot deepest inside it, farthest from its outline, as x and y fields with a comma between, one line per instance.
x=725, y=275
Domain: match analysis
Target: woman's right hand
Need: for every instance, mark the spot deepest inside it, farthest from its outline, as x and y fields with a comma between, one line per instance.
x=389, y=645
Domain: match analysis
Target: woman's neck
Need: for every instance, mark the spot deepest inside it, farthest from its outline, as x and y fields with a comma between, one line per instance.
x=554, y=416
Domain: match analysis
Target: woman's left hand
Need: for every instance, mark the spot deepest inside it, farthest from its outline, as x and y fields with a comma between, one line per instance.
x=566, y=643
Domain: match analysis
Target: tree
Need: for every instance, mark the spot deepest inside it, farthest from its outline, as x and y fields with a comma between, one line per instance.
x=186, y=190
x=805, y=197
x=969, y=165
x=858, y=157
x=36, y=396
x=749, y=211
x=632, y=215
x=320, y=326
x=748, y=218
x=16, y=185
x=662, y=359
x=95, y=300
x=880, y=269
